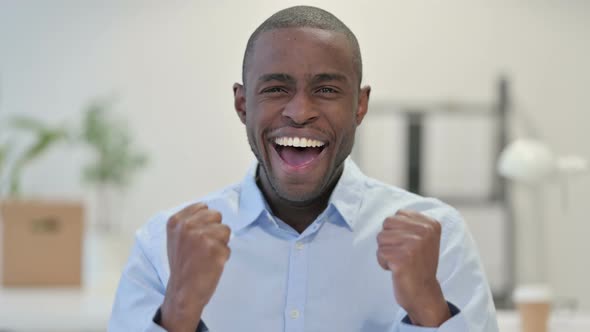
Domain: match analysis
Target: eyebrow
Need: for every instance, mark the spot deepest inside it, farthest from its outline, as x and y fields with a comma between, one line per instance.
x=326, y=77
x=281, y=77
x=286, y=78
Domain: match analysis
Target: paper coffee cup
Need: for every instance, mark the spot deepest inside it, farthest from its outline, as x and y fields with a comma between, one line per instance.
x=534, y=305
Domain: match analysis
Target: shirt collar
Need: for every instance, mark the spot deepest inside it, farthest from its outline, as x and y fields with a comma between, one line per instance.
x=252, y=202
x=348, y=193
x=346, y=197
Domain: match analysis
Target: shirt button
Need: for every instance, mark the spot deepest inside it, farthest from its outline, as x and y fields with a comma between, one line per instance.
x=299, y=245
x=294, y=313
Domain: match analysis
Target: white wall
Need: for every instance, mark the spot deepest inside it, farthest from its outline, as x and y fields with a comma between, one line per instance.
x=172, y=65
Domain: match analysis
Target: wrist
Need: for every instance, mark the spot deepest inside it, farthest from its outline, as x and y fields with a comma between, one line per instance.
x=429, y=311
x=177, y=316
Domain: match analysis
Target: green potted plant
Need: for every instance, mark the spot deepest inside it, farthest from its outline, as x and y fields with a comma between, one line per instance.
x=42, y=237
x=115, y=158
x=37, y=232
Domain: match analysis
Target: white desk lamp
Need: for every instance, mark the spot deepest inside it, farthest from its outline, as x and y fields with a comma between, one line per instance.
x=531, y=162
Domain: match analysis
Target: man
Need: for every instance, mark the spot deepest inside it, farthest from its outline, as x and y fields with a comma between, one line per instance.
x=305, y=242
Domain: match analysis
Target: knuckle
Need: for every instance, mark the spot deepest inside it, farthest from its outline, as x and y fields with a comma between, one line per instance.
x=389, y=221
x=380, y=259
x=398, y=218
x=214, y=216
x=436, y=226
x=403, y=219
x=200, y=217
x=382, y=256
x=219, y=252
x=425, y=229
x=226, y=254
x=172, y=222
x=380, y=238
x=433, y=228
x=201, y=237
x=200, y=205
x=226, y=231
x=379, y=254
x=184, y=225
x=209, y=245
x=195, y=208
x=386, y=253
x=404, y=212
x=209, y=216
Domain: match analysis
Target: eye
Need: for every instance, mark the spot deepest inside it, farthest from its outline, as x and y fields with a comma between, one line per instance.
x=274, y=89
x=326, y=89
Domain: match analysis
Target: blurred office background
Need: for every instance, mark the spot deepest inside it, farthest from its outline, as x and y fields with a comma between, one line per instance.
x=167, y=70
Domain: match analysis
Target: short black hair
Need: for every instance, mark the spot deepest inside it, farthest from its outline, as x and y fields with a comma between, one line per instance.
x=305, y=17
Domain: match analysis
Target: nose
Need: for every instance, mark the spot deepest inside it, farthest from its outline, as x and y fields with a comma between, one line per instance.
x=300, y=110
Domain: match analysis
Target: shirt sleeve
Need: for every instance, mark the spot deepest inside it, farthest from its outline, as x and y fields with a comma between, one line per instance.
x=200, y=328
x=139, y=295
x=452, y=324
x=463, y=282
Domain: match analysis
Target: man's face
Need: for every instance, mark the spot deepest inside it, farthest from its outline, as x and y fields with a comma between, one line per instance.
x=301, y=105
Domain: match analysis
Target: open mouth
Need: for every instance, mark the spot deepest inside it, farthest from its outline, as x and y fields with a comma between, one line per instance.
x=298, y=152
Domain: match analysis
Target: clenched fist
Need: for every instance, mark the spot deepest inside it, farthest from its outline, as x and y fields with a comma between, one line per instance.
x=197, y=252
x=408, y=246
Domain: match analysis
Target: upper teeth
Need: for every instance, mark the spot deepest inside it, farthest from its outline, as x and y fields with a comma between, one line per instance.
x=300, y=142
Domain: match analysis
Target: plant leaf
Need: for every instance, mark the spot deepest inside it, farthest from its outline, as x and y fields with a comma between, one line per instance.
x=3, y=153
x=27, y=123
x=45, y=137
x=116, y=158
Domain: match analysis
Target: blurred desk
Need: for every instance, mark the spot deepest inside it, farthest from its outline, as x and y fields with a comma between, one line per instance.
x=67, y=310
x=509, y=321
x=88, y=309
x=85, y=309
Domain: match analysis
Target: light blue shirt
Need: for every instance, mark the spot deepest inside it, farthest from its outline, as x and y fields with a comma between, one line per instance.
x=322, y=280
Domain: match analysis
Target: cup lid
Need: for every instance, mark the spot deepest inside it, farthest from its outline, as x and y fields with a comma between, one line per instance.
x=532, y=293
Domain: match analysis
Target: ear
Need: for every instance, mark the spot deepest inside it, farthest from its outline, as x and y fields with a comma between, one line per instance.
x=240, y=101
x=363, y=106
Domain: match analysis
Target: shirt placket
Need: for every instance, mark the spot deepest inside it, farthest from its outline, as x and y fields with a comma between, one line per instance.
x=296, y=286
x=297, y=279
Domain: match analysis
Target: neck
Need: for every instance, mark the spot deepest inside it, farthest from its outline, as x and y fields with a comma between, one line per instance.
x=298, y=215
